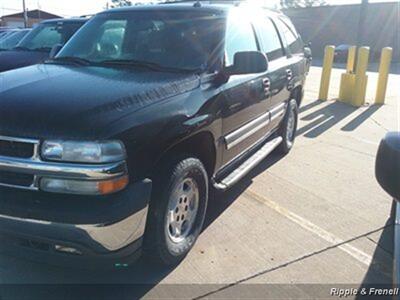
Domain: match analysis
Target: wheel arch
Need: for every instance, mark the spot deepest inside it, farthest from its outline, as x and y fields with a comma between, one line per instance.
x=297, y=94
x=200, y=145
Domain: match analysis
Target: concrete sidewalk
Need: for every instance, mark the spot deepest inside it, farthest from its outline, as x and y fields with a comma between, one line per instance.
x=314, y=216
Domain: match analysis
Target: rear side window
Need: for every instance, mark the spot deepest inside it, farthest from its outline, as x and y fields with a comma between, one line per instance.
x=239, y=37
x=269, y=38
x=290, y=36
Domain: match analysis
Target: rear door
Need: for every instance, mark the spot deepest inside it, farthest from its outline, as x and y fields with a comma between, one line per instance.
x=296, y=61
x=245, y=102
x=273, y=46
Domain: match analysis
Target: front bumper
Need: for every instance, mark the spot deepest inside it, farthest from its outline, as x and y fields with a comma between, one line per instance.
x=104, y=229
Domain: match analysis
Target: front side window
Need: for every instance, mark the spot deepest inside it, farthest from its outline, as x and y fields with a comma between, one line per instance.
x=270, y=41
x=46, y=35
x=171, y=39
x=239, y=37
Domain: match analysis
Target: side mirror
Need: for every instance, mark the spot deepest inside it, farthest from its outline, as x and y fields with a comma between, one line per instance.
x=307, y=52
x=387, y=168
x=248, y=62
x=54, y=51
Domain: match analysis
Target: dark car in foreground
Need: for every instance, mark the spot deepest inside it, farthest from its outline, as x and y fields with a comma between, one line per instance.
x=388, y=176
x=36, y=46
x=11, y=41
x=111, y=147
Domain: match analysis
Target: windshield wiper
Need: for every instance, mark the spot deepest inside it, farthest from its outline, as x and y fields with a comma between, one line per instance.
x=148, y=65
x=72, y=60
x=23, y=48
x=44, y=49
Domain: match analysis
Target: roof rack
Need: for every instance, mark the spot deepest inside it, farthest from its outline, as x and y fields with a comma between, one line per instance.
x=199, y=2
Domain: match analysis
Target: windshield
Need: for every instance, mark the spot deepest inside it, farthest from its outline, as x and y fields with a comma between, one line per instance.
x=11, y=41
x=170, y=39
x=46, y=35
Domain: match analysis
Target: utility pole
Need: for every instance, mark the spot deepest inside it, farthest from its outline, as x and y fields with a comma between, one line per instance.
x=25, y=14
x=361, y=23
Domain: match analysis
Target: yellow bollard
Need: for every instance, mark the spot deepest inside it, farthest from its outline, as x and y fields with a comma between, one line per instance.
x=346, y=91
x=384, y=69
x=347, y=81
x=351, y=59
x=361, y=80
x=326, y=72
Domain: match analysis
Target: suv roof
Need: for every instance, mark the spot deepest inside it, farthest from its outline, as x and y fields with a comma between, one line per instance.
x=70, y=20
x=218, y=6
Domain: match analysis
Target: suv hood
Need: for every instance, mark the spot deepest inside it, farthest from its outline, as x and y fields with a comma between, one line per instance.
x=14, y=59
x=59, y=101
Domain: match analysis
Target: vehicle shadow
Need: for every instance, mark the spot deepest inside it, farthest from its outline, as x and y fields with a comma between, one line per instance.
x=221, y=201
x=323, y=119
x=40, y=281
x=380, y=272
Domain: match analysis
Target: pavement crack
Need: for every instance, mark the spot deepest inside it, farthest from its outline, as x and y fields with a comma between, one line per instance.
x=350, y=149
x=291, y=262
x=379, y=124
x=379, y=246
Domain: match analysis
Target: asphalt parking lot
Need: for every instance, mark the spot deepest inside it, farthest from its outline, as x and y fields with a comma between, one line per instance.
x=315, y=216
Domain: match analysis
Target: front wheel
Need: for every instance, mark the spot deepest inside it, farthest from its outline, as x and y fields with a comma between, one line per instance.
x=288, y=128
x=177, y=210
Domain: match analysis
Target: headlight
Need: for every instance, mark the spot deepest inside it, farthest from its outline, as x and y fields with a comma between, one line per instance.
x=83, y=152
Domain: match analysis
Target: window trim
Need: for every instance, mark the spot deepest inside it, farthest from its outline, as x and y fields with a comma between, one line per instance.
x=258, y=36
x=284, y=43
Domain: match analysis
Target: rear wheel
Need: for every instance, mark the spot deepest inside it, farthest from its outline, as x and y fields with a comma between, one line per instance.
x=177, y=210
x=289, y=127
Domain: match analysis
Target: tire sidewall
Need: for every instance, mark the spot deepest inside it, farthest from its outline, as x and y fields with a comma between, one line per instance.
x=158, y=244
x=199, y=176
x=288, y=144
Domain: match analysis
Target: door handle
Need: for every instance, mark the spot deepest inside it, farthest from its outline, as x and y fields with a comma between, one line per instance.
x=289, y=74
x=267, y=86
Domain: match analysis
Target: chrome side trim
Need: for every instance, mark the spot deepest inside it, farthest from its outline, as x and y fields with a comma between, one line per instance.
x=239, y=135
x=20, y=187
x=19, y=140
x=63, y=170
x=278, y=111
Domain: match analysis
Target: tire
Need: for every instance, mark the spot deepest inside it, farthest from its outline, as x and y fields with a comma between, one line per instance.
x=288, y=128
x=177, y=210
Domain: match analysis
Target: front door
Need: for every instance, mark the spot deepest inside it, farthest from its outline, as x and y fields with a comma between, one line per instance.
x=245, y=97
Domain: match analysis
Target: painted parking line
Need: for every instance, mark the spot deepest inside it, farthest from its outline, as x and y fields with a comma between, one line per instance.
x=311, y=227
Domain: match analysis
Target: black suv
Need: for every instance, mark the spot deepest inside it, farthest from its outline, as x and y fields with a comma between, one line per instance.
x=113, y=145
x=36, y=46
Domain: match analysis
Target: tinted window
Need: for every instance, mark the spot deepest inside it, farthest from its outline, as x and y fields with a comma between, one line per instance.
x=239, y=37
x=11, y=41
x=46, y=35
x=184, y=40
x=269, y=38
x=292, y=39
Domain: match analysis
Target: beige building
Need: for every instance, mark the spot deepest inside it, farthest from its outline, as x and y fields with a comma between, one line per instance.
x=34, y=17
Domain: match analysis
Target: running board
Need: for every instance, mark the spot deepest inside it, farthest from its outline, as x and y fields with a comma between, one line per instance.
x=248, y=165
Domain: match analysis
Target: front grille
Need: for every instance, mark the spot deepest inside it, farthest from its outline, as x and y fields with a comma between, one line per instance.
x=16, y=149
x=16, y=179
